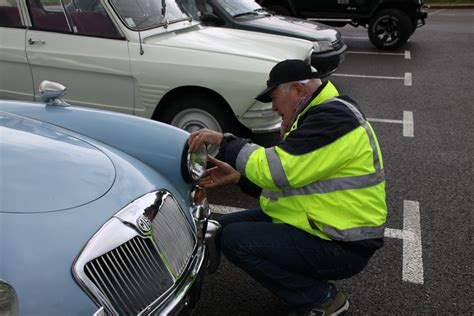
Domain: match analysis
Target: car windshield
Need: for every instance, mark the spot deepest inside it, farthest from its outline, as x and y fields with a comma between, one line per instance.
x=238, y=8
x=145, y=14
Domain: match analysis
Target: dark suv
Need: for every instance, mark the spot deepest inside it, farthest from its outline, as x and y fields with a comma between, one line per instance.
x=390, y=23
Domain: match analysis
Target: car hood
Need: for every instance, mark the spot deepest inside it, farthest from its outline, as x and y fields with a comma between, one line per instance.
x=235, y=42
x=289, y=26
x=36, y=156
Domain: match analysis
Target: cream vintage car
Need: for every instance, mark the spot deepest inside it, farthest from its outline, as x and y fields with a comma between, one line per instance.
x=142, y=57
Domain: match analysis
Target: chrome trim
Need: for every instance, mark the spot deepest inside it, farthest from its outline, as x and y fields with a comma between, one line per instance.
x=129, y=270
x=51, y=92
x=176, y=302
x=211, y=244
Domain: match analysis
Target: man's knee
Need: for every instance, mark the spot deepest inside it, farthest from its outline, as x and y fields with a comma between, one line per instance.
x=231, y=240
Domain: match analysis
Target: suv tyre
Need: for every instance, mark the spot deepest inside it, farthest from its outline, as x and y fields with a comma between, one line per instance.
x=390, y=29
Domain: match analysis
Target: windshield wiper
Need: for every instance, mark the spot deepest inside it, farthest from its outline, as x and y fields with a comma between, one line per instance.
x=244, y=13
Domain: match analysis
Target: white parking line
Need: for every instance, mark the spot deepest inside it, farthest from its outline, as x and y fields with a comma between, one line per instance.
x=412, y=270
x=437, y=11
x=407, y=122
x=407, y=79
x=406, y=54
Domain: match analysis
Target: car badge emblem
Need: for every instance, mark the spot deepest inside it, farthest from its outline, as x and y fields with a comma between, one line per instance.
x=144, y=224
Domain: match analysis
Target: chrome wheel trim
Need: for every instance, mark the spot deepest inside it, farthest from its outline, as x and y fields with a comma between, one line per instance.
x=194, y=119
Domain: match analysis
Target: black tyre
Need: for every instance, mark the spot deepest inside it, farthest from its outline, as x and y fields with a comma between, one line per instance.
x=280, y=10
x=390, y=29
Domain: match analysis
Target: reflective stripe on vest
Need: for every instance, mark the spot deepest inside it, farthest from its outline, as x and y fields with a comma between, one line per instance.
x=243, y=157
x=276, y=169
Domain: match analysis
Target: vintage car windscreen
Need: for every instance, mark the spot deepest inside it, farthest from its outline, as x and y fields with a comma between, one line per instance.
x=145, y=14
x=240, y=7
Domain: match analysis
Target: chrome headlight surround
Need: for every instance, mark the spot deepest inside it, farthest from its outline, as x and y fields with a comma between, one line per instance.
x=193, y=165
x=8, y=299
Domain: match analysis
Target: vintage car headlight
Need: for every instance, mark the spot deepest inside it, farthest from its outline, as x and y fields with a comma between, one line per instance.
x=194, y=165
x=8, y=300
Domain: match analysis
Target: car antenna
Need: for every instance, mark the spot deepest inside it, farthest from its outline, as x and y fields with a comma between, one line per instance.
x=140, y=40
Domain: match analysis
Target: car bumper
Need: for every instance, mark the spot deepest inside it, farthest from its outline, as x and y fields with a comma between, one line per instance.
x=421, y=16
x=328, y=62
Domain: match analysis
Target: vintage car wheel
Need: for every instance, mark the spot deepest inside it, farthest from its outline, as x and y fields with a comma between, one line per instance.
x=193, y=113
x=390, y=29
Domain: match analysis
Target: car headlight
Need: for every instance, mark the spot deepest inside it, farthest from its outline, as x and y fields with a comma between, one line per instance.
x=194, y=165
x=8, y=300
x=322, y=46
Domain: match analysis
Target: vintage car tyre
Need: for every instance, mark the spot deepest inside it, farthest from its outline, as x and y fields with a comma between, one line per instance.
x=390, y=29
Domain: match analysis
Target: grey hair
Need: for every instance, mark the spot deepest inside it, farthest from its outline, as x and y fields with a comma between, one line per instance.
x=311, y=84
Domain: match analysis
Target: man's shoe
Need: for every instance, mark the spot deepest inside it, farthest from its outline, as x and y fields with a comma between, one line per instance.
x=336, y=305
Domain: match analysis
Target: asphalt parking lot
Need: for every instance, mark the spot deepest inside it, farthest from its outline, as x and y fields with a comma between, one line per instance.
x=419, y=99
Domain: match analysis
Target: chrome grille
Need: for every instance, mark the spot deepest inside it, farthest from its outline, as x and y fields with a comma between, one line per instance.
x=126, y=267
x=173, y=236
x=131, y=276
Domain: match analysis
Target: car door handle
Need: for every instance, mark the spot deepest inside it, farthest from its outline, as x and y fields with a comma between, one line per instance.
x=32, y=41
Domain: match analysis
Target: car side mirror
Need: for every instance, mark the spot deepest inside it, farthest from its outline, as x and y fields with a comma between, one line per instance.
x=211, y=19
x=51, y=93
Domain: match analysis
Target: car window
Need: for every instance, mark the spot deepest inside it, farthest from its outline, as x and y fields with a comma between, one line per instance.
x=48, y=15
x=10, y=14
x=145, y=14
x=88, y=17
x=196, y=7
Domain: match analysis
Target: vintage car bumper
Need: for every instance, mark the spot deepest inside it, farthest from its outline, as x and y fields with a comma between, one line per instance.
x=328, y=62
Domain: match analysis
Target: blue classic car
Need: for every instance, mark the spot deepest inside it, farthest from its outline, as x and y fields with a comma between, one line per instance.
x=99, y=212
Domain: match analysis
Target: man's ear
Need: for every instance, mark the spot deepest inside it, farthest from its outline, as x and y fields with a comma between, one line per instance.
x=300, y=88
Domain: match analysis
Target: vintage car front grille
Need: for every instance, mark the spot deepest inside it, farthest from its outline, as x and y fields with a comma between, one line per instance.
x=127, y=269
x=130, y=276
x=173, y=236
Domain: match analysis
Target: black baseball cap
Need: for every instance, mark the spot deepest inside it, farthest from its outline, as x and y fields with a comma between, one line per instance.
x=286, y=71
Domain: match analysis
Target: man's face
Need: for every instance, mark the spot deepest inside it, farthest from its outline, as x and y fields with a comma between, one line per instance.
x=284, y=101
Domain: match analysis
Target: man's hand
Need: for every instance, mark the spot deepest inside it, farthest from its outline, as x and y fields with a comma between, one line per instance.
x=219, y=175
x=206, y=136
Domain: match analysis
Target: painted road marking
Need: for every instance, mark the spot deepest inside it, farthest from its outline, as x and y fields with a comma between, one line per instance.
x=407, y=122
x=407, y=79
x=406, y=54
x=437, y=11
x=412, y=270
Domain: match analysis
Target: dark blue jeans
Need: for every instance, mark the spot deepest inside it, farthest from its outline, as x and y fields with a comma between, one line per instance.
x=289, y=262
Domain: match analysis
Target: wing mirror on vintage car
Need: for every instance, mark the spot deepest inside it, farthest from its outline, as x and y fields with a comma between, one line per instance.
x=210, y=19
x=52, y=92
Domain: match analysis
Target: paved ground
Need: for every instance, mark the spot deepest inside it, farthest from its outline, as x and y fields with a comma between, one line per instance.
x=420, y=100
